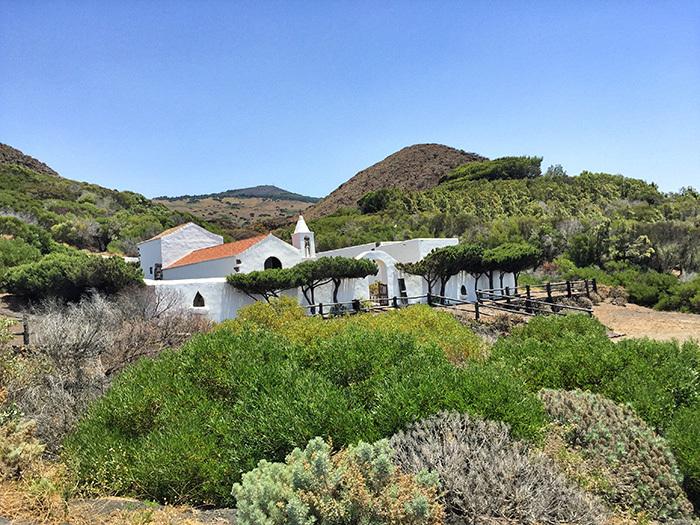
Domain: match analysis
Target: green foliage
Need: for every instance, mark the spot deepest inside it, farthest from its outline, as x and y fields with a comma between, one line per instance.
x=356, y=486
x=376, y=201
x=14, y=228
x=69, y=276
x=657, y=379
x=641, y=471
x=181, y=426
x=683, y=436
x=498, y=169
x=266, y=283
x=16, y=251
x=683, y=297
x=80, y=214
x=313, y=273
x=511, y=258
x=19, y=449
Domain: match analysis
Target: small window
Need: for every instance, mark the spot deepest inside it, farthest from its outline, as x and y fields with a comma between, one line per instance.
x=463, y=290
x=198, y=301
x=272, y=262
x=150, y=270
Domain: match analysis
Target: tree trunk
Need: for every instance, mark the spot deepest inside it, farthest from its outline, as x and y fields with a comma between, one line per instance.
x=336, y=285
x=500, y=278
x=491, y=279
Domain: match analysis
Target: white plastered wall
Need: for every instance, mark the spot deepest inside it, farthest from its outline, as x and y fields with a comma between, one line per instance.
x=191, y=237
x=251, y=259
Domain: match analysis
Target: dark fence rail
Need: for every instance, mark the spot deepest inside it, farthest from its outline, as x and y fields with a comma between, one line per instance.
x=527, y=300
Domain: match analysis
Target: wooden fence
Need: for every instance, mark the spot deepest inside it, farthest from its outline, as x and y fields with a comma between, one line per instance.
x=527, y=300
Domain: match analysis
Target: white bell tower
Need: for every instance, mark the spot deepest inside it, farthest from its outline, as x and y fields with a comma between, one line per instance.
x=303, y=239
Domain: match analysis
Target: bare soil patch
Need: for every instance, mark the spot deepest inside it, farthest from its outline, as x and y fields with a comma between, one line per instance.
x=633, y=321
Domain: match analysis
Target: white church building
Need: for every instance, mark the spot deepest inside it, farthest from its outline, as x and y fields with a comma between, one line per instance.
x=193, y=263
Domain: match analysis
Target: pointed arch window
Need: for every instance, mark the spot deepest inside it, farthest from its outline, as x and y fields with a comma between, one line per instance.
x=463, y=290
x=198, y=301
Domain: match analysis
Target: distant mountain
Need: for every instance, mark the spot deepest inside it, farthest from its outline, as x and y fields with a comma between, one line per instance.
x=243, y=211
x=266, y=191
x=417, y=167
x=10, y=155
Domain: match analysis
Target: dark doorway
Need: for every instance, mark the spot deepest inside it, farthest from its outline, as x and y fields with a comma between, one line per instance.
x=272, y=262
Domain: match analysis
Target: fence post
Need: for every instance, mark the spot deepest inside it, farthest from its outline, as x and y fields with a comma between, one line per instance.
x=476, y=311
x=395, y=302
x=356, y=305
x=508, y=294
x=588, y=291
x=430, y=299
x=528, y=304
x=548, y=287
x=25, y=333
x=595, y=285
x=320, y=309
x=568, y=288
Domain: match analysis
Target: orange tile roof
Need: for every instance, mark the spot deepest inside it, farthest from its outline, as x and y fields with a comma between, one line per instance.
x=219, y=251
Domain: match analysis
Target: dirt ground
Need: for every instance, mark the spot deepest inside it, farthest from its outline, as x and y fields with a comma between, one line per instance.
x=636, y=321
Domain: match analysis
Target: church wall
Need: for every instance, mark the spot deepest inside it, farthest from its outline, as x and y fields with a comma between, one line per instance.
x=149, y=256
x=176, y=245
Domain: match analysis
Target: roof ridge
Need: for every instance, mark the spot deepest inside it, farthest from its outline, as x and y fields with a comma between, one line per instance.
x=221, y=251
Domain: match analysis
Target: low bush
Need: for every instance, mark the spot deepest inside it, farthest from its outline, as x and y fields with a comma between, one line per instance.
x=284, y=316
x=486, y=476
x=78, y=347
x=683, y=437
x=19, y=449
x=683, y=297
x=640, y=469
x=657, y=379
x=69, y=276
x=358, y=485
x=16, y=251
x=180, y=426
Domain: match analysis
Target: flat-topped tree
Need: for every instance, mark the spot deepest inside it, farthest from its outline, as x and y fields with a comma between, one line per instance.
x=265, y=283
x=512, y=257
x=317, y=272
x=471, y=260
x=426, y=268
x=439, y=265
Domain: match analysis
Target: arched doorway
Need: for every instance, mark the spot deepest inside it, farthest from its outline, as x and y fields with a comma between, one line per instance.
x=272, y=263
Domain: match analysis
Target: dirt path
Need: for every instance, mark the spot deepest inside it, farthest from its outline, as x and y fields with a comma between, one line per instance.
x=637, y=321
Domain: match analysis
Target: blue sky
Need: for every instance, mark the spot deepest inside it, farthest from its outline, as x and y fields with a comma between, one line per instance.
x=202, y=96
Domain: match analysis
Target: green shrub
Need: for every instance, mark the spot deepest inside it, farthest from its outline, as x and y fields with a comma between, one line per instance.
x=646, y=288
x=641, y=471
x=683, y=437
x=485, y=475
x=656, y=378
x=183, y=425
x=69, y=276
x=503, y=168
x=428, y=325
x=683, y=297
x=355, y=486
x=16, y=251
x=573, y=352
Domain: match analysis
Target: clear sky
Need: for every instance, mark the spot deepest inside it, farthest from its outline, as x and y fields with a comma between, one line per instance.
x=202, y=96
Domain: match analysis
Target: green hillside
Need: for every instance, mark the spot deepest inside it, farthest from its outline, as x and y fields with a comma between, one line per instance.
x=79, y=214
x=593, y=224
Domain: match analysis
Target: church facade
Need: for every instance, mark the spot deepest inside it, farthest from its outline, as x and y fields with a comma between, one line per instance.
x=192, y=263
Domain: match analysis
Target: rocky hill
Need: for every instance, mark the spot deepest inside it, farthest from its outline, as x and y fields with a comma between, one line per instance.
x=10, y=155
x=265, y=191
x=416, y=167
